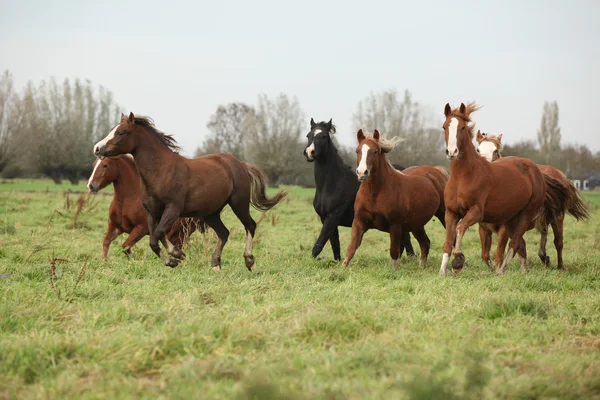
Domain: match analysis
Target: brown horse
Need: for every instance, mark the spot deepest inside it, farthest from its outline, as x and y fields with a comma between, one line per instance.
x=490, y=147
x=508, y=191
x=393, y=201
x=174, y=186
x=126, y=212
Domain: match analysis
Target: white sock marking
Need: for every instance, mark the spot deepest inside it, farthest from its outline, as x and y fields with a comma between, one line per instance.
x=445, y=261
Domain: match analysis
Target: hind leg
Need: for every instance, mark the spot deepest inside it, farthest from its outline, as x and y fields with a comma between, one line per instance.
x=424, y=243
x=542, y=250
x=395, y=244
x=517, y=244
x=214, y=221
x=335, y=244
x=241, y=209
x=485, y=236
x=557, y=228
x=406, y=244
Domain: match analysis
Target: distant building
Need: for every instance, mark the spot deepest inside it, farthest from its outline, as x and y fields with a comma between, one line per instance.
x=587, y=183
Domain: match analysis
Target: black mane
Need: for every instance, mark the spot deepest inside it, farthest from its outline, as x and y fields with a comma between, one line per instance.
x=167, y=140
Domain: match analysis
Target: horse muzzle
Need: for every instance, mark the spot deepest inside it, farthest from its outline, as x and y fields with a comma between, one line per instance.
x=93, y=189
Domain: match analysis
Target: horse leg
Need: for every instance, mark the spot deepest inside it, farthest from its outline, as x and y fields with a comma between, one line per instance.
x=451, y=221
x=472, y=217
x=136, y=234
x=542, y=250
x=503, y=236
x=330, y=224
x=522, y=255
x=406, y=244
x=395, y=244
x=358, y=230
x=517, y=242
x=557, y=228
x=112, y=233
x=485, y=236
x=335, y=244
x=424, y=243
x=158, y=232
x=243, y=214
x=214, y=221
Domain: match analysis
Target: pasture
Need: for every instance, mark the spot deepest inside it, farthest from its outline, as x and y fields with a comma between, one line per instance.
x=74, y=326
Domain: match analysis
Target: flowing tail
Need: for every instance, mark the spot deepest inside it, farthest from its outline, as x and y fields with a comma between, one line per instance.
x=556, y=202
x=259, y=199
x=577, y=206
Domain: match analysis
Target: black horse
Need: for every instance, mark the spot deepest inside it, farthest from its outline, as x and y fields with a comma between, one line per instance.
x=337, y=186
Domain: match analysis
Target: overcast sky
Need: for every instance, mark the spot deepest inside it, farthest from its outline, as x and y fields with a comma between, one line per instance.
x=176, y=61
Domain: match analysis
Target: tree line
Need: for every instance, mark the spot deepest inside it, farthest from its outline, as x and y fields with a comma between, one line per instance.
x=48, y=130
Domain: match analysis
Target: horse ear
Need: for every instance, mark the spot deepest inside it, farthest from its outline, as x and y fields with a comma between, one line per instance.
x=360, y=135
x=312, y=123
x=331, y=127
x=447, y=109
x=463, y=109
x=500, y=138
x=131, y=118
x=479, y=136
x=123, y=117
x=376, y=135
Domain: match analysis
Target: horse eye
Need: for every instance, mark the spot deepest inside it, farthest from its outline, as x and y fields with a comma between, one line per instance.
x=105, y=166
x=478, y=151
x=120, y=133
x=376, y=151
x=356, y=151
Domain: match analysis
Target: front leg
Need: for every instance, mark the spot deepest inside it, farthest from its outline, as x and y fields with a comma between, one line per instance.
x=451, y=220
x=330, y=225
x=159, y=230
x=358, y=230
x=472, y=217
x=136, y=234
x=112, y=233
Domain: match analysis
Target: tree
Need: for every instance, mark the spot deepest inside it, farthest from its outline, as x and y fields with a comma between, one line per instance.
x=394, y=116
x=273, y=138
x=227, y=127
x=11, y=117
x=549, y=132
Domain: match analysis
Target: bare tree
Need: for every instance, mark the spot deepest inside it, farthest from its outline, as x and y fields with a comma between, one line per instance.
x=11, y=117
x=273, y=138
x=227, y=127
x=549, y=132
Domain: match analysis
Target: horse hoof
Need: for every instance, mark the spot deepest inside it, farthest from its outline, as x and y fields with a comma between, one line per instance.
x=173, y=262
x=252, y=267
x=216, y=268
x=458, y=263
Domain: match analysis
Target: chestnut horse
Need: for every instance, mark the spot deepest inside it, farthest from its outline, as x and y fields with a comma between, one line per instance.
x=393, y=201
x=490, y=147
x=126, y=213
x=174, y=186
x=508, y=191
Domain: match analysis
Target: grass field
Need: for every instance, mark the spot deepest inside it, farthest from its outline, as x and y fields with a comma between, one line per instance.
x=296, y=328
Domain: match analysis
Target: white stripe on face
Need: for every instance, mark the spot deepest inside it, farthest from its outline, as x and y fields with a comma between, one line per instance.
x=310, y=149
x=96, y=165
x=452, y=137
x=103, y=142
x=362, y=166
x=317, y=131
x=487, y=149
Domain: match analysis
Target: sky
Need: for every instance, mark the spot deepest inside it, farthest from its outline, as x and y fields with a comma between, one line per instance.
x=176, y=61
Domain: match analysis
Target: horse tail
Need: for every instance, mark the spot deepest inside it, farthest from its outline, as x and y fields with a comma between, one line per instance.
x=556, y=202
x=259, y=199
x=577, y=206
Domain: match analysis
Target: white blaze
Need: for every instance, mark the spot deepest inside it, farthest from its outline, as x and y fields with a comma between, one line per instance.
x=311, y=148
x=103, y=142
x=452, y=137
x=362, y=166
x=487, y=149
x=96, y=164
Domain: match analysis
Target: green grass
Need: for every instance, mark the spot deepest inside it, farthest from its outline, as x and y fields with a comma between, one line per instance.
x=296, y=328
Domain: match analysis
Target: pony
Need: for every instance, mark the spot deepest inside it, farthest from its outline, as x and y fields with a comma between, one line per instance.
x=509, y=191
x=336, y=188
x=126, y=213
x=394, y=201
x=174, y=186
x=490, y=147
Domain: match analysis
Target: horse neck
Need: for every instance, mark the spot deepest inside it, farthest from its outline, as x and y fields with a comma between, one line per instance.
x=150, y=155
x=327, y=166
x=469, y=159
x=127, y=182
x=381, y=178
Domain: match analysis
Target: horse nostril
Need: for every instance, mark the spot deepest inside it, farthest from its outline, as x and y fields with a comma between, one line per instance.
x=447, y=152
x=366, y=172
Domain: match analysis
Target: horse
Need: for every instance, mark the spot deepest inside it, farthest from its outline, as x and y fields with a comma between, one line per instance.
x=336, y=188
x=174, y=186
x=490, y=147
x=394, y=201
x=509, y=191
x=126, y=213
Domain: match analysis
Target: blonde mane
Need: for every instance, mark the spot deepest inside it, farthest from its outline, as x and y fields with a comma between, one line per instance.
x=385, y=145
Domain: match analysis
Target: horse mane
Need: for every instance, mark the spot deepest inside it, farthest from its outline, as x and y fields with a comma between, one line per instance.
x=323, y=125
x=385, y=145
x=466, y=116
x=165, y=139
x=491, y=138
